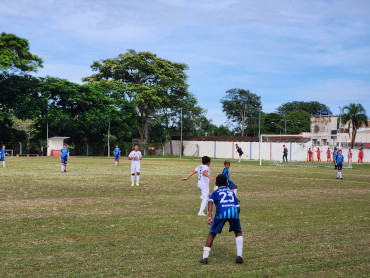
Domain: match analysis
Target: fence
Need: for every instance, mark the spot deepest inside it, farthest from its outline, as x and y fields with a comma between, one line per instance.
x=269, y=150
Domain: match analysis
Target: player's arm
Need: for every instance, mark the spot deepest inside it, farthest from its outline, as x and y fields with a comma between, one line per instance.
x=131, y=157
x=210, y=206
x=188, y=176
x=206, y=175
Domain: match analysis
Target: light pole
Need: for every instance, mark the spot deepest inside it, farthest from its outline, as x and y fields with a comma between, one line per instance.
x=340, y=114
x=259, y=136
x=180, y=137
x=47, y=130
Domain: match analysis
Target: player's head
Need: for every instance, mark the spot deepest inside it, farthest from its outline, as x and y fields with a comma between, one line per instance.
x=340, y=151
x=3, y=146
x=335, y=148
x=136, y=147
x=227, y=164
x=349, y=149
x=309, y=148
x=116, y=146
x=318, y=148
x=64, y=145
x=283, y=145
x=206, y=160
x=221, y=180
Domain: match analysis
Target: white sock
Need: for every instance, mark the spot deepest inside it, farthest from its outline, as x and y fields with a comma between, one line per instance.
x=203, y=205
x=206, y=251
x=132, y=179
x=116, y=163
x=137, y=178
x=235, y=190
x=4, y=164
x=239, y=246
x=62, y=168
x=240, y=159
x=340, y=174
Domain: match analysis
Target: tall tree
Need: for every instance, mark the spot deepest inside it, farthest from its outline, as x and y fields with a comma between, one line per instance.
x=239, y=104
x=296, y=122
x=311, y=107
x=148, y=82
x=15, y=54
x=355, y=116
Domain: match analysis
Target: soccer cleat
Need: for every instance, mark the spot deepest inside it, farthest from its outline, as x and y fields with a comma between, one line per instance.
x=132, y=184
x=203, y=261
x=337, y=178
x=239, y=260
x=202, y=214
x=341, y=178
x=137, y=184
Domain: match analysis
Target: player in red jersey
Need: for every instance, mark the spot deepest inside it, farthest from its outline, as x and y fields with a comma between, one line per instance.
x=349, y=156
x=328, y=159
x=361, y=156
x=310, y=155
x=318, y=154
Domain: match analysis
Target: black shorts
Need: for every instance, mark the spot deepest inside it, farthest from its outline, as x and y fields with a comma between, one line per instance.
x=339, y=167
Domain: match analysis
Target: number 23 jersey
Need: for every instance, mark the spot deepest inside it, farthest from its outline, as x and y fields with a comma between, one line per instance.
x=226, y=203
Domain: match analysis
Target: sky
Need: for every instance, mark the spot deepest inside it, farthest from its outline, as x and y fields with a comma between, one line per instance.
x=281, y=50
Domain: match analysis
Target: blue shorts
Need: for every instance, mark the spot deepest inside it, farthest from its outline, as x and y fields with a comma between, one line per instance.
x=339, y=167
x=2, y=158
x=64, y=160
x=218, y=224
x=232, y=185
x=116, y=157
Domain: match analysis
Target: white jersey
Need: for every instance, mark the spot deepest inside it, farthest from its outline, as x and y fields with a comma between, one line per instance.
x=137, y=159
x=202, y=179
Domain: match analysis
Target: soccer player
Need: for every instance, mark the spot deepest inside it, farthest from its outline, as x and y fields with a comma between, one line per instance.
x=135, y=157
x=335, y=153
x=226, y=173
x=240, y=152
x=204, y=176
x=117, y=155
x=64, y=156
x=318, y=154
x=285, y=154
x=227, y=210
x=349, y=157
x=310, y=155
x=339, y=163
x=328, y=159
x=3, y=153
x=361, y=156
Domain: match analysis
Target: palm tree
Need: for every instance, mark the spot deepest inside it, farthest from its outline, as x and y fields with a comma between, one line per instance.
x=355, y=115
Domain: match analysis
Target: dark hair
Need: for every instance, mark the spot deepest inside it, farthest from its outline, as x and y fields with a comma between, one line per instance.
x=64, y=144
x=136, y=144
x=205, y=160
x=226, y=162
x=221, y=180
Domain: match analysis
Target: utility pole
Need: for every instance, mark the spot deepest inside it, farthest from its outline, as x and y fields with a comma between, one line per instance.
x=47, y=131
x=339, y=139
x=181, y=137
x=108, y=136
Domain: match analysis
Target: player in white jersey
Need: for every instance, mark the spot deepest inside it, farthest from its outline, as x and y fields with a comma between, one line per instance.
x=135, y=157
x=204, y=176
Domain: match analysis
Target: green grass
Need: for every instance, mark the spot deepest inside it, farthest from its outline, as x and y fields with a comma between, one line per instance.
x=297, y=221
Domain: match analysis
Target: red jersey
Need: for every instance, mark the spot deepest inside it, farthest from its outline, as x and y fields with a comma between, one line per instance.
x=361, y=154
x=310, y=153
x=328, y=153
x=318, y=153
x=349, y=154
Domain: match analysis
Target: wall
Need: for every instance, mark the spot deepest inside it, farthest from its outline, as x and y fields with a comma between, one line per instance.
x=269, y=151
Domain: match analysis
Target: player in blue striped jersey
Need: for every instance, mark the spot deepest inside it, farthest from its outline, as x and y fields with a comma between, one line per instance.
x=227, y=210
x=226, y=172
x=339, y=164
x=117, y=155
x=3, y=153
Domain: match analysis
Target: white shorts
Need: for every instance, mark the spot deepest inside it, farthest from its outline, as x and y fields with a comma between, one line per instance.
x=204, y=190
x=135, y=168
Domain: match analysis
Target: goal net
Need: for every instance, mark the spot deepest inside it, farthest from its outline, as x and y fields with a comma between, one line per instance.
x=297, y=151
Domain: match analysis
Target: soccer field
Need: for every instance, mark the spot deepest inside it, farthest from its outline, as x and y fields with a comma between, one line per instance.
x=90, y=222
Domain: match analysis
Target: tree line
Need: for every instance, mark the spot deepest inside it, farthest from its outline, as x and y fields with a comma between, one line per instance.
x=133, y=95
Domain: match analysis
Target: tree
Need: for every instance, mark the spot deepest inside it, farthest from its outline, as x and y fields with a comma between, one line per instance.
x=270, y=123
x=15, y=54
x=296, y=122
x=355, y=116
x=239, y=104
x=311, y=107
x=148, y=82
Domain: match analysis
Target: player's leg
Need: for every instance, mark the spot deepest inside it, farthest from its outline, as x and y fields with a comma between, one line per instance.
x=133, y=171
x=240, y=157
x=207, y=248
x=137, y=178
x=237, y=229
x=204, y=189
x=116, y=162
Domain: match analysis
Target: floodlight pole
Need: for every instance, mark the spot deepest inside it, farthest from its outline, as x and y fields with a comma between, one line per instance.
x=181, y=137
x=339, y=139
x=108, y=136
x=260, y=137
x=47, y=131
